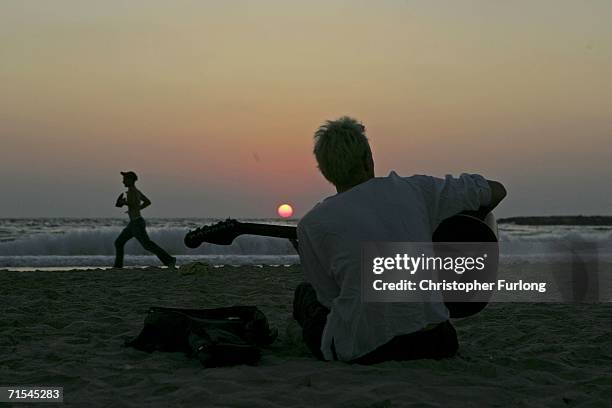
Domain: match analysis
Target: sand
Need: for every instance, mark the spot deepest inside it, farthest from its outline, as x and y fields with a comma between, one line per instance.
x=67, y=329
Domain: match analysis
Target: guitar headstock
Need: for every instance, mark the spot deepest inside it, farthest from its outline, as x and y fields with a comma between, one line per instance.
x=221, y=233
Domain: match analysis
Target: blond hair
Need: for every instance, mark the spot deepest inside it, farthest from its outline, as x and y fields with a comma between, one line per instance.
x=341, y=147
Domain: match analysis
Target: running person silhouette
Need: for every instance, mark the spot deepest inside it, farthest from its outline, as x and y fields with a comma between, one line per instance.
x=137, y=227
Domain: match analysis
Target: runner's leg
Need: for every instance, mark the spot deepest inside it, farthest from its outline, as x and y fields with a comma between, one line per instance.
x=140, y=232
x=123, y=237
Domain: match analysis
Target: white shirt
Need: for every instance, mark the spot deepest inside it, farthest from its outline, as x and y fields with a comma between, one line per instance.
x=392, y=208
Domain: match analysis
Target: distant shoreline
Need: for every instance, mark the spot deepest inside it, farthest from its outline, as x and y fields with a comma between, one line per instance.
x=584, y=220
x=591, y=220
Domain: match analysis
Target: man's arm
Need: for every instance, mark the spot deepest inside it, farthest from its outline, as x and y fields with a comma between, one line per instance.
x=145, y=201
x=469, y=193
x=120, y=201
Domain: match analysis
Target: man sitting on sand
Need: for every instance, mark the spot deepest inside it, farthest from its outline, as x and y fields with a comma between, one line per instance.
x=135, y=202
x=336, y=324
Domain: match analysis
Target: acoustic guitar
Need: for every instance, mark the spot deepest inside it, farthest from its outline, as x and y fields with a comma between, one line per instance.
x=463, y=227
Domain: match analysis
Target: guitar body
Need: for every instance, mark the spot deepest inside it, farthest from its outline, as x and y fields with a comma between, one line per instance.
x=468, y=228
x=459, y=228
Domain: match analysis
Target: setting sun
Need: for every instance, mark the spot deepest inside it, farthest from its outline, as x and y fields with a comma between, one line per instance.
x=285, y=210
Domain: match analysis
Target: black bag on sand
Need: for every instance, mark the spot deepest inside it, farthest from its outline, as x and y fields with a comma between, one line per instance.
x=217, y=337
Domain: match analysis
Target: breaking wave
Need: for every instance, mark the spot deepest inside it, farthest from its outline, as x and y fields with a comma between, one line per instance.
x=101, y=242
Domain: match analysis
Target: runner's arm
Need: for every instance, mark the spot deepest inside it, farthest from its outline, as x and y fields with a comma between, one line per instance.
x=120, y=201
x=145, y=201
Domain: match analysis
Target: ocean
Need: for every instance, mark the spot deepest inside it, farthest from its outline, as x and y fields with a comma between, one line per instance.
x=59, y=243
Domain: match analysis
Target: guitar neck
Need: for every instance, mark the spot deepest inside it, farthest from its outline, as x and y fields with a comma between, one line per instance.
x=460, y=228
x=269, y=230
x=290, y=232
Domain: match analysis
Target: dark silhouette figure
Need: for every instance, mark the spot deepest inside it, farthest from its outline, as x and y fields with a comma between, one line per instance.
x=136, y=228
x=336, y=323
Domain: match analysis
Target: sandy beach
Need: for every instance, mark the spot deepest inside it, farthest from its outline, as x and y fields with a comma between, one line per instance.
x=67, y=328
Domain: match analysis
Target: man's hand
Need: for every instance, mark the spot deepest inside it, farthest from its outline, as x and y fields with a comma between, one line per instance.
x=498, y=193
x=120, y=201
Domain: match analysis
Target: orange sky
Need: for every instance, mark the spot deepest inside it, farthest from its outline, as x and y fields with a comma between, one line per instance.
x=214, y=103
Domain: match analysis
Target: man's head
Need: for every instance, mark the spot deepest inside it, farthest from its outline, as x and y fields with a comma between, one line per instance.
x=129, y=178
x=343, y=153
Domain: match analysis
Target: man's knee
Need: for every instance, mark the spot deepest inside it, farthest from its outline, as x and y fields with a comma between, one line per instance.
x=300, y=296
x=303, y=290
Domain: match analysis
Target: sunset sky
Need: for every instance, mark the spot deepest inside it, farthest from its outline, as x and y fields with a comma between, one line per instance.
x=214, y=103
